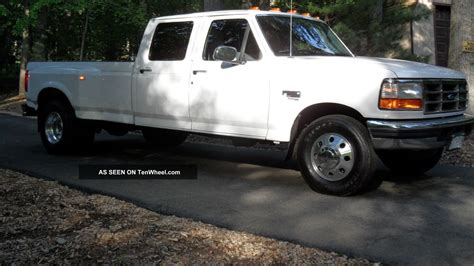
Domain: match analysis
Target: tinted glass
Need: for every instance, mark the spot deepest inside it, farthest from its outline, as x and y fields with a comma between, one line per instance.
x=170, y=41
x=310, y=37
x=230, y=33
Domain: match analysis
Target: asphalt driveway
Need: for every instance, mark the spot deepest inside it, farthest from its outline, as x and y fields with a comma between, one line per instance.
x=429, y=220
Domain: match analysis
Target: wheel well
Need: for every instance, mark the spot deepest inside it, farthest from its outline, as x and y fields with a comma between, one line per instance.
x=313, y=112
x=49, y=94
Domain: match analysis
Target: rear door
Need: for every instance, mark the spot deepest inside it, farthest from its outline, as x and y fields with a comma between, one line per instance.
x=225, y=98
x=162, y=75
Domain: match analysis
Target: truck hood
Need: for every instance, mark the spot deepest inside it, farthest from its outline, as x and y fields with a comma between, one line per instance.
x=409, y=69
x=400, y=68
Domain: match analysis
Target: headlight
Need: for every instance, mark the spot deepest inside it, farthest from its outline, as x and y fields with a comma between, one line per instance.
x=401, y=95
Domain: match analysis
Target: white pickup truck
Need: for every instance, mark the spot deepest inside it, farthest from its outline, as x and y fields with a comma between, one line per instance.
x=239, y=74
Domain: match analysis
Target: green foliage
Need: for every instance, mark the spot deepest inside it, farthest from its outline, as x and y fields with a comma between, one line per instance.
x=56, y=27
x=8, y=66
x=114, y=30
x=166, y=7
x=3, y=10
x=115, y=27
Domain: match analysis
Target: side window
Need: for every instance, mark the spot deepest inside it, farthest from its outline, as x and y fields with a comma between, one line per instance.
x=170, y=41
x=230, y=32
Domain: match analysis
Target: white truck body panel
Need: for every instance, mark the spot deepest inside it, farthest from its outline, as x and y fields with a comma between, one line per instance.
x=349, y=81
x=161, y=95
x=222, y=98
x=229, y=99
x=104, y=95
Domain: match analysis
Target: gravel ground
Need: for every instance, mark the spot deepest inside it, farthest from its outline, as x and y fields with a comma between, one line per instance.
x=6, y=93
x=12, y=104
x=43, y=222
x=463, y=157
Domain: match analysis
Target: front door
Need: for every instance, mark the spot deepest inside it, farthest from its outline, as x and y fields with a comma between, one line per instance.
x=227, y=98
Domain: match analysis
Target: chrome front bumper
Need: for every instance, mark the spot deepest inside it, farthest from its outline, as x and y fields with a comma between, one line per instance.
x=418, y=134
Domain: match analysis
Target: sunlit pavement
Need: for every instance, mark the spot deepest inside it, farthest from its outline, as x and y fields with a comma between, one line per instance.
x=429, y=220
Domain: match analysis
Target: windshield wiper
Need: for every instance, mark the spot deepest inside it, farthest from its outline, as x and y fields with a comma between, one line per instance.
x=312, y=52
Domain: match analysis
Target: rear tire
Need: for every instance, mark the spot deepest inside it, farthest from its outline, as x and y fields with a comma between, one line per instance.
x=61, y=132
x=163, y=138
x=410, y=163
x=335, y=156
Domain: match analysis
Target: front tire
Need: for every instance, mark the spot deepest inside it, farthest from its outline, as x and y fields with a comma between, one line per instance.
x=410, y=163
x=61, y=132
x=335, y=156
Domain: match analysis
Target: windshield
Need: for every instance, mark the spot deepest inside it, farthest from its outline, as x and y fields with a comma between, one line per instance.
x=310, y=37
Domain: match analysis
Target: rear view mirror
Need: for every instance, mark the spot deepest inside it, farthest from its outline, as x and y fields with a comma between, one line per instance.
x=225, y=53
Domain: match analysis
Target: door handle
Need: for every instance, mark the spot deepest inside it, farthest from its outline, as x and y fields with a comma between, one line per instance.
x=195, y=72
x=292, y=94
x=143, y=70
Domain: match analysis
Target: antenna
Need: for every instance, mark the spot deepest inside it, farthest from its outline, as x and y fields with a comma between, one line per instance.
x=291, y=28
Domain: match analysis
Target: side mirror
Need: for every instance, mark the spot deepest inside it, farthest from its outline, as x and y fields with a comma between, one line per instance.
x=225, y=53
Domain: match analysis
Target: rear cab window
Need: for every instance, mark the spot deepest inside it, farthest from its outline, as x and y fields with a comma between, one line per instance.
x=170, y=41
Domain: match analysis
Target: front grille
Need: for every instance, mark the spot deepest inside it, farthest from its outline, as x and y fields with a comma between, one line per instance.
x=442, y=96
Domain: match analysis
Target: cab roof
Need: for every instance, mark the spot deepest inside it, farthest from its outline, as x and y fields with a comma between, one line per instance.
x=229, y=13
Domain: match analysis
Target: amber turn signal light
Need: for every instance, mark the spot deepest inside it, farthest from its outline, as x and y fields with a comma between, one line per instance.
x=400, y=104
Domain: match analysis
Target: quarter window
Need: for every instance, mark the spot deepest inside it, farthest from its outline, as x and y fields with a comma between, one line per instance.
x=230, y=32
x=170, y=41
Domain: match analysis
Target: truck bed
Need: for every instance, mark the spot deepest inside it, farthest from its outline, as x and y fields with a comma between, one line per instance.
x=97, y=90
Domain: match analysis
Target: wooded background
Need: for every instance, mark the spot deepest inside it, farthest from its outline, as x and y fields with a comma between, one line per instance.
x=110, y=30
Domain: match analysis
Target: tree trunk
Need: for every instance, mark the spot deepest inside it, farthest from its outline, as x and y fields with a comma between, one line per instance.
x=84, y=32
x=378, y=11
x=212, y=5
x=38, y=47
x=25, y=51
x=377, y=17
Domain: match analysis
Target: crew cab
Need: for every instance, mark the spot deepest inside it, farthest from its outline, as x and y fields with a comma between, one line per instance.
x=245, y=75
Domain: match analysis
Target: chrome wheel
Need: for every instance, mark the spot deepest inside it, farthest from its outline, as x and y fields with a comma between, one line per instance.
x=53, y=128
x=332, y=157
